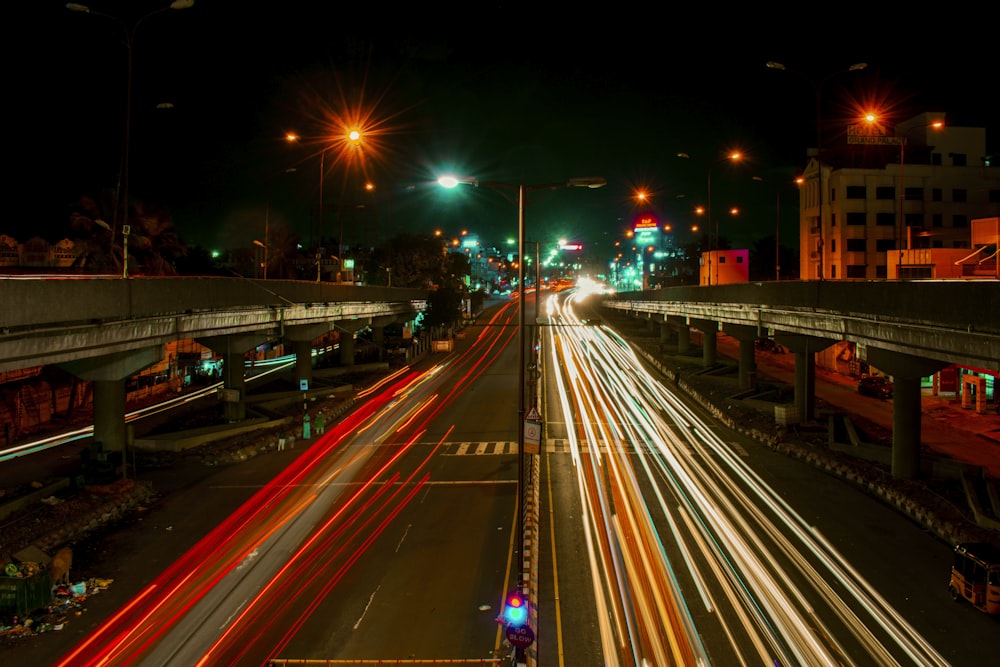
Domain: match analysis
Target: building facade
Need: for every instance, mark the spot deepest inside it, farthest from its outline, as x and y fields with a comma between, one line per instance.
x=890, y=191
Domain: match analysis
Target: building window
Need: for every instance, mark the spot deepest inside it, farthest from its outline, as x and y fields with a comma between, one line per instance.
x=857, y=218
x=937, y=194
x=881, y=271
x=856, y=192
x=959, y=194
x=885, y=192
x=957, y=159
x=833, y=220
x=833, y=270
x=885, y=245
x=856, y=245
x=913, y=194
x=833, y=245
x=885, y=219
x=937, y=220
x=856, y=270
x=936, y=159
x=937, y=243
x=739, y=260
x=959, y=221
x=914, y=219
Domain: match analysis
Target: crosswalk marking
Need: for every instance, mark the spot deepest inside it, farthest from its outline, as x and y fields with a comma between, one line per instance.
x=498, y=448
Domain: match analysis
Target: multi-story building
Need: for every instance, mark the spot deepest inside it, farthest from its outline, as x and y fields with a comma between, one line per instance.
x=890, y=191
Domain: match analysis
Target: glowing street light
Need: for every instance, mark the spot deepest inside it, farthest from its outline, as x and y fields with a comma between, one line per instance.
x=129, y=33
x=818, y=90
x=732, y=156
x=522, y=192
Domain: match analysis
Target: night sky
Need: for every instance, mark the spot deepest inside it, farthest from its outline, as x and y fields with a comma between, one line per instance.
x=501, y=92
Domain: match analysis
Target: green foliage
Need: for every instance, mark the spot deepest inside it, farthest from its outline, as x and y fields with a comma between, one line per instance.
x=444, y=307
x=416, y=261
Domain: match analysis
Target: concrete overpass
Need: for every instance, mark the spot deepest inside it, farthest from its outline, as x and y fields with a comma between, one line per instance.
x=907, y=329
x=105, y=329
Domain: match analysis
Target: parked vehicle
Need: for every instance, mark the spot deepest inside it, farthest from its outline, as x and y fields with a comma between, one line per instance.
x=878, y=386
x=975, y=576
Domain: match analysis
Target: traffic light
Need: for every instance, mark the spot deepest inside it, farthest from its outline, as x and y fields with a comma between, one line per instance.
x=515, y=609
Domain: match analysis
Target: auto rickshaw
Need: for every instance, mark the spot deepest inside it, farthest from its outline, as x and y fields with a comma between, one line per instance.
x=975, y=576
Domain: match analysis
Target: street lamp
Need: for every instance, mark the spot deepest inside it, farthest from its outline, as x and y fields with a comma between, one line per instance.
x=129, y=32
x=777, y=227
x=818, y=89
x=902, y=134
x=353, y=139
x=267, y=216
x=522, y=192
x=734, y=156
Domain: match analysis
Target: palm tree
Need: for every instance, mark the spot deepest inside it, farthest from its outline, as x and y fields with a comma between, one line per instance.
x=153, y=242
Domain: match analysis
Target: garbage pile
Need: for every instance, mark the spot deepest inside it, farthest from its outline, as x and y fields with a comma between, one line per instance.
x=66, y=602
x=31, y=605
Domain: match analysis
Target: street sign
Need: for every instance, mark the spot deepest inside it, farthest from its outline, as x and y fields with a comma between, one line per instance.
x=520, y=636
x=532, y=437
x=874, y=140
x=533, y=415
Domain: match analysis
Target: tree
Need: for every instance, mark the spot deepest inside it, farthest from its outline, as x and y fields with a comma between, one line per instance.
x=415, y=261
x=153, y=242
x=444, y=307
x=456, y=270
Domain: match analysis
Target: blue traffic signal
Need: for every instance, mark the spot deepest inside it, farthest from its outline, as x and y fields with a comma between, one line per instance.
x=515, y=610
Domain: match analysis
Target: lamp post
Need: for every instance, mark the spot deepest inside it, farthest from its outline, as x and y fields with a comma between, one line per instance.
x=267, y=216
x=733, y=156
x=876, y=135
x=354, y=141
x=777, y=226
x=522, y=192
x=121, y=188
x=818, y=90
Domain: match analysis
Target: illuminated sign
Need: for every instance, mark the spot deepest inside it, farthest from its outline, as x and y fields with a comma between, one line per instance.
x=571, y=246
x=646, y=222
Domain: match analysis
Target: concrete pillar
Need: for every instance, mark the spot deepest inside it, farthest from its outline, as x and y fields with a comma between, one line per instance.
x=301, y=340
x=233, y=351
x=906, y=414
x=234, y=407
x=108, y=373
x=346, y=347
x=109, y=415
x=907, y=408
x=303, y=361
x=805, y=383
x=805, y=349
x=747, y=336
x=709, y=329
x=684, y=339
x=666, y=333
x=378, y=337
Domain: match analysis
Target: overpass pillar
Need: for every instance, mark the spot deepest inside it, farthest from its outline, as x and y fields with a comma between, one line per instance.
x=747, y=369
x=378, y=337
x=233, y=351
x=108, y=373
x=234, y=406
x=301, y=338
x=303, y=360
x=683, y=329
x=805, y=349
x=666, y=333
x=346, y=336
x=709, y=330
x=906, y=371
